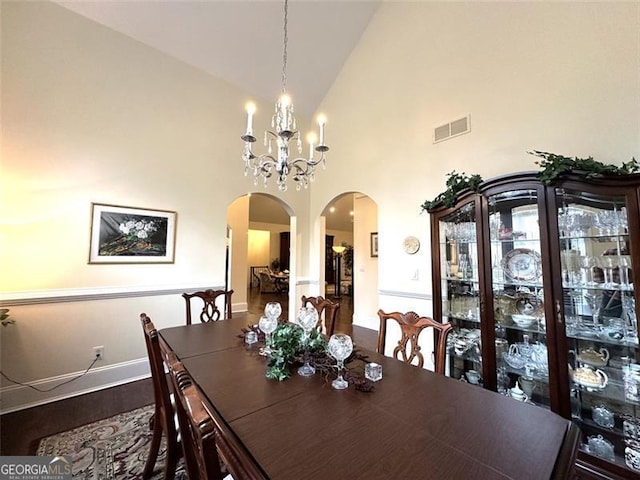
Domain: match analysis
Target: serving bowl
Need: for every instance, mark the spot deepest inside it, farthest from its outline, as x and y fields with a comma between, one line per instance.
x=523, y=321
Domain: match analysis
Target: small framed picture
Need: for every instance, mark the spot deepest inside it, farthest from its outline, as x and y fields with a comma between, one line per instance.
x=131, y=235
x=374, y=244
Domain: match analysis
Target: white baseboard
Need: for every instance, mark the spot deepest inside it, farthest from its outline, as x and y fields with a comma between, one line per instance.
x=19, y=397
x=239, y=307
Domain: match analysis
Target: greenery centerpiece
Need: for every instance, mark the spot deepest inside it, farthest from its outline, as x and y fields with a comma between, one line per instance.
x=289, y=350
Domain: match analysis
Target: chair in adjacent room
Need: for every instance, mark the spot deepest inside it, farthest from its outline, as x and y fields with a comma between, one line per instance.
x=163, y=421
x=197, y=428
x=267, y=283
x=211, y=311
x=326, y=306
x=411, y=325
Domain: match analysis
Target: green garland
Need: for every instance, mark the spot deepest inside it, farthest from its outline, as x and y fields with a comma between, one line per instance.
x=455, y=184
x=553, y=166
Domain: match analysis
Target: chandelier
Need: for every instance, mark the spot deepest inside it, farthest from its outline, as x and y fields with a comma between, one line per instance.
x=283, y=124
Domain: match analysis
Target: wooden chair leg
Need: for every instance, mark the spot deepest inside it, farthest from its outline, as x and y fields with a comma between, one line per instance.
x=172, y=460
x=153, y=451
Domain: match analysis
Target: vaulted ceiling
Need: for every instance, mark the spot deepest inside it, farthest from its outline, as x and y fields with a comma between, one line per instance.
x=242, y=43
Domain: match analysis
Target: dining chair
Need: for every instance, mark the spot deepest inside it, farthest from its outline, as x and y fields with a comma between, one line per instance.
x=162, y=420
x=330, y=310
x=197, y=429
x=411, y=325
x=210, y=311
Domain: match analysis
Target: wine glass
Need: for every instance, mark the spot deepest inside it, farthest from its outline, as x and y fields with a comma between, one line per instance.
x=587, y=263
x=307, y=319
x=273, y=310
x=340, y=347
x=268, y=325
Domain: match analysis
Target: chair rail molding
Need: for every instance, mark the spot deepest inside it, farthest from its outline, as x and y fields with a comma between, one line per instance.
x=40, y=297
x=399, y=293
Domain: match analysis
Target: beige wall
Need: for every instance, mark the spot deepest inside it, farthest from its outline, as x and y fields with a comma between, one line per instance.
x=562, y=77
x=89, y=115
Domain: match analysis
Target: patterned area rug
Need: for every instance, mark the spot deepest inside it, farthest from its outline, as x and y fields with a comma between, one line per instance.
x=113, y=448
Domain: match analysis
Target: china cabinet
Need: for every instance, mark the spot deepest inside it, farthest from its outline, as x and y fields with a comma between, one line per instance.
x=538, y=282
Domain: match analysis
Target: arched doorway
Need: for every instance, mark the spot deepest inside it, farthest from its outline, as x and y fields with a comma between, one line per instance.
x=350, y=220
x=261, y=226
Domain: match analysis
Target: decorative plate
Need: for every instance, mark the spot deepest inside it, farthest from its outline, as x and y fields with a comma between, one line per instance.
x=522, y=264
x=411, y=245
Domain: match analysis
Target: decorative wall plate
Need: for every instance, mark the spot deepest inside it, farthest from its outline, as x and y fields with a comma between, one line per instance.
x=411, y=245
x=522, y=264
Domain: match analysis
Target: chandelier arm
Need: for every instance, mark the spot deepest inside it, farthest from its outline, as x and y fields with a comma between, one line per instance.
x=306, y=161
x=263, y=160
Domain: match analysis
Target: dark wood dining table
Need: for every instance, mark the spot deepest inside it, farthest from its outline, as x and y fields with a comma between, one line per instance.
x=415, y=424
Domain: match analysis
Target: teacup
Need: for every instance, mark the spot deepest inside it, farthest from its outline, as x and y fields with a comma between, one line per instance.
x=632, y=458
x=460, y=346
x=527, y=384
x=631, y=429
x=517, y=393
x=473, y=376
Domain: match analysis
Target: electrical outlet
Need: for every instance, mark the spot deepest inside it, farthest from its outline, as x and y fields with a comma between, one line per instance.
x=98, y=353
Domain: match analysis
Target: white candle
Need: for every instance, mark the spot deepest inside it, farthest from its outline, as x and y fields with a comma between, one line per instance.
x=311, y=138
x=321, y=121
x=251, y=108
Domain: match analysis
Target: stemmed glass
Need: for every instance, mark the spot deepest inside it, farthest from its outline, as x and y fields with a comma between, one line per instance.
x=268, y=325
x=340, y=347
x=587, y=264
x=273, y=310
x=307, y=319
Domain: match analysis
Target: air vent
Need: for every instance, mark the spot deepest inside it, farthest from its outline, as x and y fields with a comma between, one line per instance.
x=452, y=129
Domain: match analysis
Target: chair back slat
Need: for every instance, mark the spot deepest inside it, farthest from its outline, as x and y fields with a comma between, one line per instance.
x=327, y=312
x=411, y=325
x=210, y=311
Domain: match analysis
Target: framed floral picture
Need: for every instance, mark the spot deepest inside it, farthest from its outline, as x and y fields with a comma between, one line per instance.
x=374, y=244
x=131, y=235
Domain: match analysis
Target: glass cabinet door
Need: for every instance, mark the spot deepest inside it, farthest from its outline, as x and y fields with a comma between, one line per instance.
x=601, y=326
x=522, y=357
x=460, y=292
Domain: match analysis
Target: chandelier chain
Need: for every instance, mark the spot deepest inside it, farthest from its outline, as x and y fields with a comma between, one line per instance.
x=284, y=50
x=280, y=161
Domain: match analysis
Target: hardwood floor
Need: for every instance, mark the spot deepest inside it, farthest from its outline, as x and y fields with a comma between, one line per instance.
x=20, y=431
x=256, y=302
